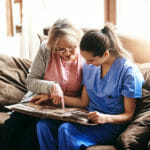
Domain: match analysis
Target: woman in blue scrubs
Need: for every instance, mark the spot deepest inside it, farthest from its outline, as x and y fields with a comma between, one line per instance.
x=111, y=84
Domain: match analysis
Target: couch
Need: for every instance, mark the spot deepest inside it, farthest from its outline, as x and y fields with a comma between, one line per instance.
x=13, y=72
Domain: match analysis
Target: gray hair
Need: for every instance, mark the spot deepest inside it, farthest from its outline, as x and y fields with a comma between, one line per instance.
x=62, y=28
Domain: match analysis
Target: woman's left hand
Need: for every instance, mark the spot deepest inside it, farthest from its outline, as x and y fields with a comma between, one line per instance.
x=97, y=117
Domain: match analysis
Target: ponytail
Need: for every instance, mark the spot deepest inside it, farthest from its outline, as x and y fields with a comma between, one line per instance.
x=98, y=41
x=116, y=47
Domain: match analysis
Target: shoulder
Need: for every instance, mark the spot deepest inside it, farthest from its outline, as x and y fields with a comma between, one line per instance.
x=131, y=68
x=125, y=65
x=131, y=71
x=44, y=49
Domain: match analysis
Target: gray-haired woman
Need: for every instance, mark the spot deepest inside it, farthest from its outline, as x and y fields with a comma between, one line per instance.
x=56, y=71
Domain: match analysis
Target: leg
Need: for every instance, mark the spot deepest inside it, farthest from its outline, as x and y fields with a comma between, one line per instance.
x=14, y=130
x=77, y=137
x=47, y=132
x=29, y=139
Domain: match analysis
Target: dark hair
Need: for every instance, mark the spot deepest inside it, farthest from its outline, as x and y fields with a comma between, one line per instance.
x=98, y=41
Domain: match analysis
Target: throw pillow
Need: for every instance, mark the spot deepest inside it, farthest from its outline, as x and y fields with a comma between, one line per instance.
x=13, y=72
x=145, y=69
x=137, y=134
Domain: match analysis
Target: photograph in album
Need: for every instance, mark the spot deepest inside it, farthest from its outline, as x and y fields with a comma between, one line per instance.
x=69, y=114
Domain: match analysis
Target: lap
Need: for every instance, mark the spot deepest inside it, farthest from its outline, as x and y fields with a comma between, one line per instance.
x=20, y=131
x=99, y=134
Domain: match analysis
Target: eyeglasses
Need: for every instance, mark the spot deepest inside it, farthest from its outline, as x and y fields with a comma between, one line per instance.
x=62, y=50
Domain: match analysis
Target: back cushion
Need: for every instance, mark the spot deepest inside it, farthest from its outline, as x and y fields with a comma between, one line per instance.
x=13, y=72
x=137, y=134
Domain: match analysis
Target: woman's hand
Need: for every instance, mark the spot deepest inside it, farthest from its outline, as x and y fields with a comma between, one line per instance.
x=56, y=94
x=40, y=98
x=97, y=117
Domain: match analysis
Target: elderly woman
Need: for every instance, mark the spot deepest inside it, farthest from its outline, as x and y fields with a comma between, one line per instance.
x=56, y=70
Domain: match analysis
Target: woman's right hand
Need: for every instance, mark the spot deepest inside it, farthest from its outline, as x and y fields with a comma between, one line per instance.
x=56, y=94
x=38, y=99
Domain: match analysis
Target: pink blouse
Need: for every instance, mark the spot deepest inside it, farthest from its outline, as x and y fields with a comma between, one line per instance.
x=67, y=74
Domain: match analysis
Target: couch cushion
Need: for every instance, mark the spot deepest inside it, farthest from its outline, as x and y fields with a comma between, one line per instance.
x=137, y=134
x=3, y=117
x=12, y=78
x=145, y=69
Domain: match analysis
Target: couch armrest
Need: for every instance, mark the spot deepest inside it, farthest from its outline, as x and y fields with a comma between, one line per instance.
x=101, y=147
x=3, y=116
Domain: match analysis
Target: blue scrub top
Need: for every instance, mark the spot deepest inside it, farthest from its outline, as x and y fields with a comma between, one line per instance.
x=106, y=94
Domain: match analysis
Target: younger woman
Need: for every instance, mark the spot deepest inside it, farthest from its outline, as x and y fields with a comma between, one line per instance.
x=111, y=84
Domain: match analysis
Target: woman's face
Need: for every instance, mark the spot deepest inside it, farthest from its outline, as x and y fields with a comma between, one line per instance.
x=67, y=50
x=94, y=60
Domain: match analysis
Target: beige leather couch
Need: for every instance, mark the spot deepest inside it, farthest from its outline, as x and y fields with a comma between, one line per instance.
x=140, y=49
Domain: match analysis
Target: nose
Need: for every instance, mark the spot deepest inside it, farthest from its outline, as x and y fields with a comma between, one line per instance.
x=67, y=52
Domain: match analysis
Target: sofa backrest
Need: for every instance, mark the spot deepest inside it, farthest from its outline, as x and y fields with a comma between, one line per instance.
x=139, y=47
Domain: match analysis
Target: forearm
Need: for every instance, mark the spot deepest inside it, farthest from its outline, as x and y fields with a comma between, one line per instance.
x=35, y=79
x=129, y=107
x=39, y=86
x=75, y=101
x=118, y=119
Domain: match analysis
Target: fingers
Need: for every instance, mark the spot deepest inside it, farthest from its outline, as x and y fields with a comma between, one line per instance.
x=40, y=101
x=56, y=94
x=63, y=102
x=40, y=98
x=56, y=100
x=56, y=90
x=53, y=90
x=35, y=98
x=94, y=116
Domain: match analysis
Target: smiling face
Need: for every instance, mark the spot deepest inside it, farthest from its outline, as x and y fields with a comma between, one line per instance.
x=95, y=60
x=67, y=50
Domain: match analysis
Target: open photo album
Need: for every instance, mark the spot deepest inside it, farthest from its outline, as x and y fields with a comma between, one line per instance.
x=69, y=114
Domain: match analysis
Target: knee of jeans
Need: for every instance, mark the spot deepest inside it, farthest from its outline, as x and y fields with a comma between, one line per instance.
x=41, y=124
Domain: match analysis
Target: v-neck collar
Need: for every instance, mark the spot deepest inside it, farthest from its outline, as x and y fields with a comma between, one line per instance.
x=107, y=74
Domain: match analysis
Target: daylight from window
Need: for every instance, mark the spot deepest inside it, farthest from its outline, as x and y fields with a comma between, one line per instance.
x=133, y=17
x=85, y=13
x=43, y=13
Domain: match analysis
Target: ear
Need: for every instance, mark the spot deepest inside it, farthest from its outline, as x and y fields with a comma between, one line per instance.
x=106, y=54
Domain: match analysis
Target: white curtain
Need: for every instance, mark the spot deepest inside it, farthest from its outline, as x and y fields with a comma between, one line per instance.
x=38, y=14
x=33, y=20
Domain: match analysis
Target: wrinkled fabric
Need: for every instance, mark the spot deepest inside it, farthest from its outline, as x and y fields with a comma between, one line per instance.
x=66, y=74
x=106, y=94
x=54, y=134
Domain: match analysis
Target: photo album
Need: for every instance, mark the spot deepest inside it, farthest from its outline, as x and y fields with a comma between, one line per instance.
x=68, y=114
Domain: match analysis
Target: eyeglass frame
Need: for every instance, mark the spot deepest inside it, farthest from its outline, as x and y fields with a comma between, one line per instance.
x=62, y=50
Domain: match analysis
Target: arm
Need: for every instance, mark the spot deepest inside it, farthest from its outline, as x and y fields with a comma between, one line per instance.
x=34, y=81
x=129, y=107
x=82, y=101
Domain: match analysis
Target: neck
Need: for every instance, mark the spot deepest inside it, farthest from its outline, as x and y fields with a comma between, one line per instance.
x=109, y=62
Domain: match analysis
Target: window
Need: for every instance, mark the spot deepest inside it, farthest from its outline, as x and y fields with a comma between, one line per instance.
x=85, y=13
x=133, y=16
x=11, y=19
